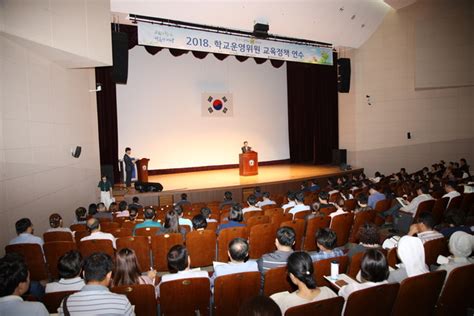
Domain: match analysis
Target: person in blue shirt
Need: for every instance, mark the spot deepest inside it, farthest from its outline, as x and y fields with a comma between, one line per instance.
x=149, y=215
x=235, y=219
x=374, y=196
x=326, y=241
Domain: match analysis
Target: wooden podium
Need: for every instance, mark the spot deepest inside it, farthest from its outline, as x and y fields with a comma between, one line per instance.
x=248, y=164
x=142, y=169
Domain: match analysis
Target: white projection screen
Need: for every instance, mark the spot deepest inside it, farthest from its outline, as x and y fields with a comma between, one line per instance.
x=159, y=110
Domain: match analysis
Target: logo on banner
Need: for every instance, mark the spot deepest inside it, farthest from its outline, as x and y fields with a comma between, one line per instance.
x=215, y=104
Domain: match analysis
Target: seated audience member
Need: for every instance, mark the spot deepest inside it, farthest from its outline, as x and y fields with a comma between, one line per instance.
x=14, y=282
x=374, y=271
x=95, y=297
x=300, y=271
x=127, y=270
x=266, y=200
x=123, y=209
x=454, y=221
x=182, y=221
x=251, y=202
x=412, y=255
x=450, y=189
x=284, y=242
x=339, y=211
x=206, y=212
x=423, y=228
x=149, y=215
x=323, y=200
x=422, y=196
x=258, y=192
x=238, y=254
x=290, y=196
x=92, y=209
x=304, y=187
x=362, y=203
x=171, y=225
x=136, y=202
x=227, y=200
x=102, y=212
x=374, y=196
x=300, y=206
x=199, y=222
x=24, y=230
x=259, y=306
x=133, y=215
x=461, y=246
x=377, y=177
x=81, y=216
x=179, y=264
x=56, y=224
x=464, y=167
x=326, y=241
x=369, y=238
x=184, y=200
x=314, y=186
x=235, y=219
x=69, y=268
x=113, y=207
x=93, y=225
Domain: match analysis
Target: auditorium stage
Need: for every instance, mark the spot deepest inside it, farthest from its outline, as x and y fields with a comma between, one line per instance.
x=202, y=186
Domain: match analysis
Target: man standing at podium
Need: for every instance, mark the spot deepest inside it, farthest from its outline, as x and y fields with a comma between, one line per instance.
x=246, y=148
x=128, y=161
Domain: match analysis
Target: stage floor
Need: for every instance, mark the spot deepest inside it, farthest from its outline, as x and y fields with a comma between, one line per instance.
x=230, y=178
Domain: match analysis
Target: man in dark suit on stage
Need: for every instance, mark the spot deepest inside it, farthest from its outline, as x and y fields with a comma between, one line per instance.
x=246, y=148
x=128, y=161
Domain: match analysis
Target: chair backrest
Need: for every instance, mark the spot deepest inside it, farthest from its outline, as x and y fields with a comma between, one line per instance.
x=439, y=208
x=80, y=234
x=392, y=257
x=88, y=247
x=418, y=295
x=255, y=220
x=272, y=211
x=457, y=294
x=231, y=291
x=128, y=225
x=109, y=225
x=57, y=236
x=312, y=226
x=225, y=236
x=212, y=226
x=354, y=266
x=261, y=240
x=53, y=251
x=323, y=267
x=146, y=231
x=328, y=307
x=78, y=227
x=360, y=219
x=327, y=210
x=381, y=206
x=467, y=201
x=341, y=225
x=381, y=298
x=425, y=206
x=455, y=203
x=120, y=232
x=277, y=280
x=251, y=214
x=185, y=297
x=301, y=215
x=278, y=218
x=34, y=259
x=52, y=301
x=298, y=226
x=142, y=296
x=434, y=248
x=141, y=246
x=160, y=245
x=350, y=204
x=201, y=246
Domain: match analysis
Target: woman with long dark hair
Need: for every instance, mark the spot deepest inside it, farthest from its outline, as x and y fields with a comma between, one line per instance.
x=127, y=270
x=171, y=225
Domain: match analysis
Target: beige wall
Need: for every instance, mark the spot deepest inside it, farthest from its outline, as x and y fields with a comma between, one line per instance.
x=45, y=110
x=440, y=120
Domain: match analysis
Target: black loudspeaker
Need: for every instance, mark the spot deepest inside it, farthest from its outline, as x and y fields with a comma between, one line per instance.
x=77, y=152
x=148, y=186
x=343, y=74
x=339, y=157
x=108, y=171
x=120, y=57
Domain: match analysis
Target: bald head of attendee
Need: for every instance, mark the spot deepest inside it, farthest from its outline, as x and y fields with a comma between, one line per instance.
x=93, y=225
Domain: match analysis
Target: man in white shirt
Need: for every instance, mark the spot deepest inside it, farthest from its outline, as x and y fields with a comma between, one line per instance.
x=423, y=228
x=56, y=223
x=251, y=201
x=238, y=252
x=93, y=225
x=179, y=264
x=290, y=196
x=423, y=195
x=24, y=229
x=266, y=200
x=450, y=188
x=69, y=268
x=300, y=206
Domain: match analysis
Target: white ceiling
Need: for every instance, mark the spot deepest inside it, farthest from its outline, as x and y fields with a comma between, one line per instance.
x=346, y=23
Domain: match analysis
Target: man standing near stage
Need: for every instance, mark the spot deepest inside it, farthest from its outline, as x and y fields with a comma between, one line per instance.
x=128, y=161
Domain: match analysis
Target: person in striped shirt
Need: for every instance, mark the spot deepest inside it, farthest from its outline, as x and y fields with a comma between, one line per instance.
x=95, y=297
x=284, y=242
x=326, y=241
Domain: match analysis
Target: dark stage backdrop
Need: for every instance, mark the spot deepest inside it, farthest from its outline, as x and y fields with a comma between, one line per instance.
x=312, y=112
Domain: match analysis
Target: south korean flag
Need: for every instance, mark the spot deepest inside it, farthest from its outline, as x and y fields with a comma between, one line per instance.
x=217, y=104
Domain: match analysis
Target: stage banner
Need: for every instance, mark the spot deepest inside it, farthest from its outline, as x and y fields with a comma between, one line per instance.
x=189, y=39
x=215, y=104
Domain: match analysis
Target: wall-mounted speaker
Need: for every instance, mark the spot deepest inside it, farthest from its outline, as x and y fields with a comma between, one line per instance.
x=343, y=75
x=77, y=152
x=120, y=57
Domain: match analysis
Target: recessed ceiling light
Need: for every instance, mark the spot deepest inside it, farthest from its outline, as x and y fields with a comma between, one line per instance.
x=353, y=17
x=341, y=9
x=363, y=25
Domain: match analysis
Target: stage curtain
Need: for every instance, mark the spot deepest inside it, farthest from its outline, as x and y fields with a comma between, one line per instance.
x=312, y=112
x=107, y=120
